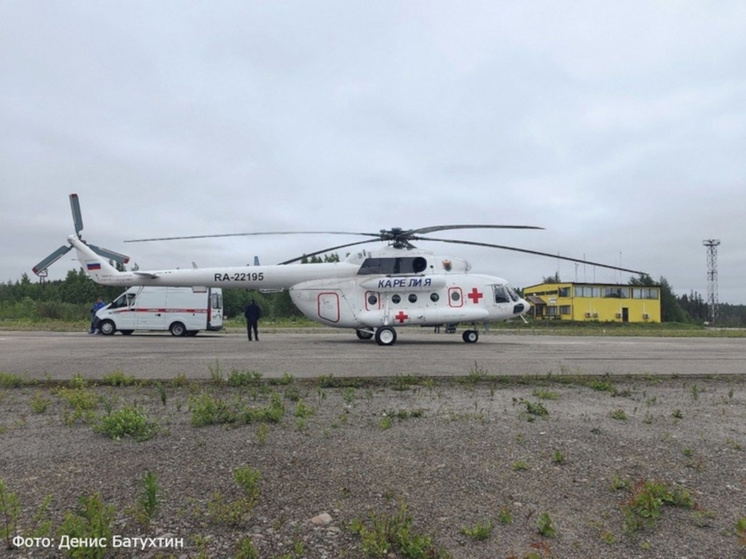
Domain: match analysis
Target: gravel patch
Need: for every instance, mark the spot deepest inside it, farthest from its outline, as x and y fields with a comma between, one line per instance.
x=451, y=455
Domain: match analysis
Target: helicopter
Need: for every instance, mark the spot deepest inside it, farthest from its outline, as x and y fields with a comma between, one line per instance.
x=372, y=292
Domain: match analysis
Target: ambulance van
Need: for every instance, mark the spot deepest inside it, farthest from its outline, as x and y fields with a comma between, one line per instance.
x=183, y=311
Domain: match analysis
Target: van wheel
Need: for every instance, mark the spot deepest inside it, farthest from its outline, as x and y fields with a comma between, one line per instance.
x=107, y=328
x=177, y=329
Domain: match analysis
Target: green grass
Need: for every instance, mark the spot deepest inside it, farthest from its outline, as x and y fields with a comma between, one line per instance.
x=129, y=421
x=480, y=531
x=647, y=500
x=394, y=536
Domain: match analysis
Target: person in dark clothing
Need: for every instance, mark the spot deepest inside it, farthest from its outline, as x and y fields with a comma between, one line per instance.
x=253, y=313
x=99, y=304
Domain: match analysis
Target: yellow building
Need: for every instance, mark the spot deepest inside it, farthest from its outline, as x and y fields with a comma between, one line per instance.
x=604, y=302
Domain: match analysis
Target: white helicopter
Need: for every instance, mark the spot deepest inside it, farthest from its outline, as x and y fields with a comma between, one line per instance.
x=372, y=292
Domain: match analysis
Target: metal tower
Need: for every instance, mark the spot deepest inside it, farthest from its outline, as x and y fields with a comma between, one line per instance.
x=712, y=278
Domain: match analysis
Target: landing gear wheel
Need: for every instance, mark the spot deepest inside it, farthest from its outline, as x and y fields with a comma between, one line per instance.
x=385, y=335
x=470, y=336
x=177, y=329
x=107, y=328
x=364, y=334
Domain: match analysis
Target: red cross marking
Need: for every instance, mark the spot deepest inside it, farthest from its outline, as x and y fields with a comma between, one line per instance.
x=401, y=317
x=475, y=296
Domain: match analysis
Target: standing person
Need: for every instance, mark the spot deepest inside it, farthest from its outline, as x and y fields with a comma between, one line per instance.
x=253, y=313
x=99, y=304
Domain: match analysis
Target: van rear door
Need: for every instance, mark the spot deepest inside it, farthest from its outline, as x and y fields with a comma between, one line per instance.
x=215, y=309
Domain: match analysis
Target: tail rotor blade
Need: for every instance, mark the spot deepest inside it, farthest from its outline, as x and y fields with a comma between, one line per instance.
x=51, y=259
x=110, y=254
x=77, y=215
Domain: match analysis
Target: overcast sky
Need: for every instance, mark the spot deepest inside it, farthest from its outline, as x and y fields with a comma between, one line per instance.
x=620, y=127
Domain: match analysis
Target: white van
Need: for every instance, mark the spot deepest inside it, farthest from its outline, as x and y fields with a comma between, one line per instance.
x=183, y=311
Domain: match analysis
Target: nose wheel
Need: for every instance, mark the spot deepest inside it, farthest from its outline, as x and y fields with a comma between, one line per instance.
x=385, y=335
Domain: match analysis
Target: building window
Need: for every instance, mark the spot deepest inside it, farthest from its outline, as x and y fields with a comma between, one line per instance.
x=587, y=291
x=616, y=292
x=644, y=293
x=565, y=309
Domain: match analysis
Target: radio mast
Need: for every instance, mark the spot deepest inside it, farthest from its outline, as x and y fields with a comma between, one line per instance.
x=712, y=278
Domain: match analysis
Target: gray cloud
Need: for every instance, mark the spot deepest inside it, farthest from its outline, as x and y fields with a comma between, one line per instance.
x=619, y=128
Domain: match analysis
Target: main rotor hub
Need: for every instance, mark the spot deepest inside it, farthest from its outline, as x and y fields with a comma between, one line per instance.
x=398, y=237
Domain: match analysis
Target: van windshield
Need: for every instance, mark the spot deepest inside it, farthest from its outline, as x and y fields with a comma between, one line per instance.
x=124, y=300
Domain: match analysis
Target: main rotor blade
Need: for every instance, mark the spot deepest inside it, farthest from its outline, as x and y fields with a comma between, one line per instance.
x=535, y=252
x=326, y=250
x=396, y=234
x=51, y=259
x=77, y=215
x=450, y=227
x=191, y=237
x=110, y=254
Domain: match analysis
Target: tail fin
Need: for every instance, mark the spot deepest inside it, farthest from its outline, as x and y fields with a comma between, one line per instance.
x=96, y=265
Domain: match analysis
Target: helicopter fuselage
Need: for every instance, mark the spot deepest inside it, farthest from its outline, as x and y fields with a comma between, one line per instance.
x=369, y=291
x=395, y=287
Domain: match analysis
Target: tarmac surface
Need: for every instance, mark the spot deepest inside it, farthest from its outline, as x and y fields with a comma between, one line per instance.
x=323, y=352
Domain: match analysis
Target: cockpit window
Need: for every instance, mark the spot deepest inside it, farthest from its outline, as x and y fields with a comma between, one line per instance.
x=501, y=294
x=388, y=266
x=505, y=294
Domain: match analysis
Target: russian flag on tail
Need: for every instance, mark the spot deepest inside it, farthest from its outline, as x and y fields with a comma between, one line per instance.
x=93, y=265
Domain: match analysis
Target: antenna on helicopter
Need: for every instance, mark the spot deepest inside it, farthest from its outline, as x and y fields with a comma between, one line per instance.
x=41, y=268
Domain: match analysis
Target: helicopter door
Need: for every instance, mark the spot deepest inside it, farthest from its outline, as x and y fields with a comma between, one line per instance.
x=328, y=306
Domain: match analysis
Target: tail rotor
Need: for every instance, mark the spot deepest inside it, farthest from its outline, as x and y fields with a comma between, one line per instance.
x=41, y=267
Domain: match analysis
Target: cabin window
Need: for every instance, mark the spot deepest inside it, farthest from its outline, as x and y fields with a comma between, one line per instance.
x=372, y=300
x=434, y=297
x=395, y=298
x=412, y=298
x=455, y=295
